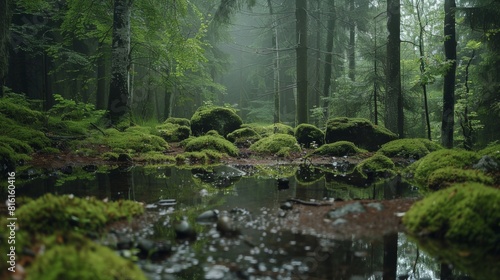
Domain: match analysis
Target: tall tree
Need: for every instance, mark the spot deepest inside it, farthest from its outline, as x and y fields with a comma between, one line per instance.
x=394, y=118
x=276, y=63
x=118, y=102
x=329, y=58
x=450, y=50
x=5, y=17
x=301, y=33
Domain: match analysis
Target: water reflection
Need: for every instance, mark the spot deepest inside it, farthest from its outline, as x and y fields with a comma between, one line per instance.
x=267, y=249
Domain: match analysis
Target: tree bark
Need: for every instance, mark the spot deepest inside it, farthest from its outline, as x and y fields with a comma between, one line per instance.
x=101, y=77
x=329, y=59
x=118, y=101
x=394, y=119
x=450, y=51
x=5, y=19
x=301, y=33
x=351, y=52
x=276, y=64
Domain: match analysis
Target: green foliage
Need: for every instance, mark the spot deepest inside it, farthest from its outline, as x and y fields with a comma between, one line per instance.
x=378, y=164
x=66, y=213
x=173, y=132
x=179, y=121
x=360, y=131
x=23, y=133
x=309, y=135
x=223, y=120
x=267, y=130
x=465, y=213
x=203, y=157
x=156, y=157
x=16, y=108
x=68, y=109
x=133, y=140
x=424, y=167
x=210, y=142
x=279, y=144
x=409, y=148
x=492, y=150
x=79, y=258
x=243, y=136
x=340, y=148
x=446, y=176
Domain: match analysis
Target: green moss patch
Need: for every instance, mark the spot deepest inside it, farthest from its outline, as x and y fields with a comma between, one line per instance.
x=446, y=176
x=16, y=108
x=209, y=142
x=223, y=120
x=270, y=129
x=132, y=140
x=378, y=165
x=340, y=148
x=461, y=213
x=423, y=167
x=492, y=151
x=409, y=148
x=243, y=136
x=172, y=132
x=81, y=259
x=179, y=121
x=359, y=131
x=309, y=135
x=51, y=213
x=279, y=144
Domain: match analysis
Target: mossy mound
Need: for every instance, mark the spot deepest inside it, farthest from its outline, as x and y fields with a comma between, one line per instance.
x=179, y=121
x=16, y=108
x=377, y=165
x=308, y=135
x=265, y=130
x=243, y=136
x=279, y=144
x=446, y=176
x=360, y=131
x=82, y=260
x=492, y=151
x=134, y=139
x=210, y=142
x=409, y=148
x=466, y=212
x=172, y=132
x=424, y=167
x=204, y=157
x=223, y=120
x=51, y=213
x=338, y=149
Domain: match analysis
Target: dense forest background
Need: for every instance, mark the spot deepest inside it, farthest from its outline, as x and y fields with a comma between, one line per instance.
x=425, y=69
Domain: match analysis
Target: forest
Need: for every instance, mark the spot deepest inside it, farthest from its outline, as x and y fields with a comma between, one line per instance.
x=139, y=120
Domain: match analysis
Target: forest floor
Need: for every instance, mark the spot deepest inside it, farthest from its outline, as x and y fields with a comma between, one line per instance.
x=306, y=218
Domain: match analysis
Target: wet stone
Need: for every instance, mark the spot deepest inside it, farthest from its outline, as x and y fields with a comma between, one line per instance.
x=287, y=205
x=339, y=222
x=208, y=217
x=216, y=272
x=351, y=208
x=376, y=205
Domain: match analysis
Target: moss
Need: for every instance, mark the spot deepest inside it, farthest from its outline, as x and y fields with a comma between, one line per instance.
x=360, y=131
x=16, y=145
x=171, y=132
x=132, y=140
x=280, y=144
x=409, y=148
x=19, y=112
x=308, y=134
x=49, y=150
x=466, y=212
x=492, y=151
x=223, y=120
x=202, y=157
x=243, y=136
x=179, y=121
x=378, y=165
x=423, y=167
x=340, y=148
x=80, y=258
x=66, y=213
x=155, y=157
x=446, y=176
x=209, y=142
x=214, y=133
x=265, y=130
x=110, y=156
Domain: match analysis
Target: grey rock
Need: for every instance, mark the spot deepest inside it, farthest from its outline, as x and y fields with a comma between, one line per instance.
x=355, y=207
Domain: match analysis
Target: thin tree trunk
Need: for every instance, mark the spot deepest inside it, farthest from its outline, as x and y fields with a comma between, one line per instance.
x=317, y=92
x=101, y=78
x=301, y=29
x=450, y=51
x=351, y=53
x=328, y=59
x=422, y=70
x=276, y=64
x=5, y=19
x=118, y=101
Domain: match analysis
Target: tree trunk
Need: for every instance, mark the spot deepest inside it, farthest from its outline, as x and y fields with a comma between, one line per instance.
x=329, y=59
x=301, y=33
x=422, y=70
x=5, y=18
x=118, y=101
x=276, y=64
x=101, y=78
x=351, y=53
x=394, y=118
x=450, y=51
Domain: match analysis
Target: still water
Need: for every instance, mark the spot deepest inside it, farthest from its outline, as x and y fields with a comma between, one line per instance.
x=264, y=248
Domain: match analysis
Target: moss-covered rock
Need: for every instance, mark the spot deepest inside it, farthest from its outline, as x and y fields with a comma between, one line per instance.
x=338, y=149
x=66, y=213
x=376, y=165
x=134, y=139
x=423, y=167
x=466, y=212
x=16, y=108
x=243, y=137
x=360, y=131
x=265, y=130
x=172, y=132
x=179, y=121
x=409, y=148
x=308, y=134
x=492, y=151
x=223, y=120
x=81, y=259
x=279, y=144
x=446, y=176
x=210, y=142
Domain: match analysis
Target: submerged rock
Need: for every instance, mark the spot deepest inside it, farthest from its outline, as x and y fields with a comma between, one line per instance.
x=208, y=217
x=350, y=208
x=184, y=230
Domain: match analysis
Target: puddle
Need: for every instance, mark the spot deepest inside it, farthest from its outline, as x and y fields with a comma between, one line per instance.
x=264, y=244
